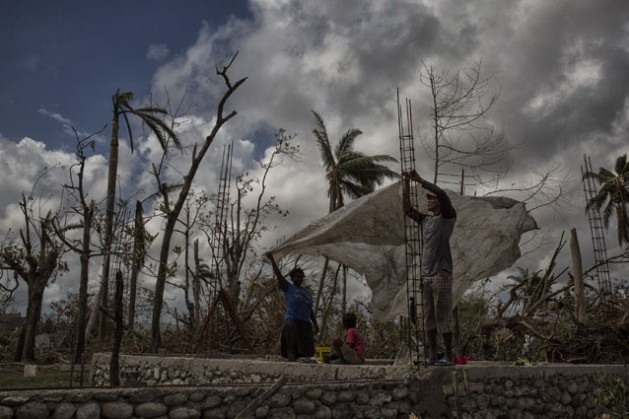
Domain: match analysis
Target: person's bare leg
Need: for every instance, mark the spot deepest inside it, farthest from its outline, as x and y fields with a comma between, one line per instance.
x=447, y=341
x=432, y=344
x=349, y=356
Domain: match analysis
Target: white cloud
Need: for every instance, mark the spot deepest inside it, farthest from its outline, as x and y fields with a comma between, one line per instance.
x=560, y=94
x=69, y=126
x=31, y=170
x=157, y=52
x=577, y=75
x=347, y=66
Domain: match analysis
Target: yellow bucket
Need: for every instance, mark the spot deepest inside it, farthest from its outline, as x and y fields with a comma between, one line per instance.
x=320, y=351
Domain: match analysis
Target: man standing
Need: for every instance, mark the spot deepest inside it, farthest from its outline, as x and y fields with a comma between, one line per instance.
x=299, y=320
x=436, y=263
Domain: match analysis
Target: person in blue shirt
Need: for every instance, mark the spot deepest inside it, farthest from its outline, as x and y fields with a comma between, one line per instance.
x=299, y=320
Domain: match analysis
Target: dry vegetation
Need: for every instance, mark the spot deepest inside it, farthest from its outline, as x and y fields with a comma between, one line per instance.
x=537, y=320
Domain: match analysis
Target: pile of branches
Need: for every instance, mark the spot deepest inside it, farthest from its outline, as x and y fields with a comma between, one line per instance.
x=539, y=321
x=591, y=344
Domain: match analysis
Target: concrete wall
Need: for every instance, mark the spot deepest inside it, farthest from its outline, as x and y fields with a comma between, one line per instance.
x=487, y=390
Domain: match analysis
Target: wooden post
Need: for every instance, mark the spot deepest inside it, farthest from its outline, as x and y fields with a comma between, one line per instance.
x=577, y=268
x=114, y=366
x=456, y=347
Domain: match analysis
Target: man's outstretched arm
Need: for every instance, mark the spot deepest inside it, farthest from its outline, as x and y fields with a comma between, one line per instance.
x=409, y=211
x=447, y=210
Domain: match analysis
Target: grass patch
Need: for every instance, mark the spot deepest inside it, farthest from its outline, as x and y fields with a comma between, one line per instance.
x=45, y=378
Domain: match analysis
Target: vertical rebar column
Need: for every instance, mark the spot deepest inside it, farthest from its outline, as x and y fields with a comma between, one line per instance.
x=216, y=244
x=598, y=236
x=415, y=334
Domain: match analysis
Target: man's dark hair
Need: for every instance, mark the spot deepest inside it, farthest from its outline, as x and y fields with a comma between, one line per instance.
x=349, y=320
x=297, y=271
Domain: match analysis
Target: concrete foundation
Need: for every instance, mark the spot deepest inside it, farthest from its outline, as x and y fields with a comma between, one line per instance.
x=158, y=386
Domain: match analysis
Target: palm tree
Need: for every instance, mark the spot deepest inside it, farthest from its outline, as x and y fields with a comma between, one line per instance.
x=524, y=288
x=150, y=117
x=348, y=172
x=613, y=195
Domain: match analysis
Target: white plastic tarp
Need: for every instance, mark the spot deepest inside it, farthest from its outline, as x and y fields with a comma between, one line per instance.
x=367, y=235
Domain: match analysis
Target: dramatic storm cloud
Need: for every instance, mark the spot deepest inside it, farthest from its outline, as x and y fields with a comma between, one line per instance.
x=560, y=68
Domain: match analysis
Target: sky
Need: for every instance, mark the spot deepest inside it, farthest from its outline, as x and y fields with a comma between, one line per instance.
x=560, y=68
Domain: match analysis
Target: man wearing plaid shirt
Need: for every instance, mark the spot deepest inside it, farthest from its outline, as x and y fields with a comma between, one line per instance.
x=436, y=263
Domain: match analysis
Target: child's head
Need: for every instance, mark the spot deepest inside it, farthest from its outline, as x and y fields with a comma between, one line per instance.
x=349, y=320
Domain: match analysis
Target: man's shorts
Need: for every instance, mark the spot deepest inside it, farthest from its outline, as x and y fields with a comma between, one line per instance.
x=437, y=295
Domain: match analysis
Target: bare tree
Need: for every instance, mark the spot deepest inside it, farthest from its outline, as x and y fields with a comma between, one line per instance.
x=235, y=238
x=7, y=290
x=172, y=210
x=141, y=242
x=82, y=246
x=245, y=225
x=114, y=364
x=463, y=136
x=461, y=133
x=149, y=116
x=36, y=259
x=190, y=285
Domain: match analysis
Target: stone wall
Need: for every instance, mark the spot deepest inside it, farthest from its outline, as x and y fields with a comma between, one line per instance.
x=543, y=391
x=156, y=370
x=346, y=400
x=488, y=390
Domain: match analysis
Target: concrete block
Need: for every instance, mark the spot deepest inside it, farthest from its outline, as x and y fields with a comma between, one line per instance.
x=30, y=370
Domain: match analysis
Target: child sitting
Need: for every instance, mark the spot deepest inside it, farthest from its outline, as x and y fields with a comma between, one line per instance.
x=353, y=349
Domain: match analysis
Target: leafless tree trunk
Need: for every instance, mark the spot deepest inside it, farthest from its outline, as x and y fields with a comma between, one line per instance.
x=164, y=133
x=344, y=302
x=175, y=210
x=191, y=278
x=577, y=268
x=192, y=320
x=328, y=308
x=112, y=175
x=36, y=264
x=83, y=247
x=25, y=348
x=114, y=365
x=245, y=225
x=137, y=261
x=460, y=104
x=324, y=272
x=85, y=261
x=86, y=254
x=196, y=282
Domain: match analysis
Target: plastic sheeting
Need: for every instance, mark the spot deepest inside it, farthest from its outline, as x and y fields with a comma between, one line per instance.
x=367, y=235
